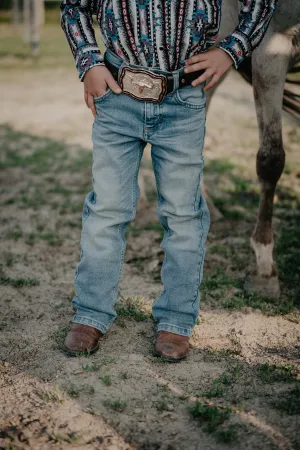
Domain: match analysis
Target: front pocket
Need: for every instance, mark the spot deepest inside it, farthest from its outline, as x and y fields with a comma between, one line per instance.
x=191, y=97
x=103, y=96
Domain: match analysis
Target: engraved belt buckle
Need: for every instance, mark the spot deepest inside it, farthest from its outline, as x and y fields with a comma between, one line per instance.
x=142, y=84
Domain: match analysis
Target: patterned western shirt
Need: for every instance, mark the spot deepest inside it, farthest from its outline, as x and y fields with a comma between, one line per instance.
x=159, y=33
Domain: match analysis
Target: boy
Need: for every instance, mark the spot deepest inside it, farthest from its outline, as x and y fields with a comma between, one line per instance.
x=149, y=88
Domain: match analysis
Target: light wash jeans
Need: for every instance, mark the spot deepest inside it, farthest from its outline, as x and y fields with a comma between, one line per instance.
x=175, y=128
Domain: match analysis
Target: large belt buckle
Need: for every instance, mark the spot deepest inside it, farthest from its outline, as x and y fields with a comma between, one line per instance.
x=142, y=84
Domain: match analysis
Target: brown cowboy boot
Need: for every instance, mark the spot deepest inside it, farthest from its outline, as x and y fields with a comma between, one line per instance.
x=82, y=339
x=170, y=346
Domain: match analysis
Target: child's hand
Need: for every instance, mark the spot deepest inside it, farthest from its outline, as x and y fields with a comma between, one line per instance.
x=96, y=81
x=215, y=62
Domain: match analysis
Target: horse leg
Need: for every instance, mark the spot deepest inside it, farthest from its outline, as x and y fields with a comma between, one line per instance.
x=269, y=73
x=215, y=213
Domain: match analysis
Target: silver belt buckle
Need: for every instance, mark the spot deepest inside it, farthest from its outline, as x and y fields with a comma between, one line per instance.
x=142, y=84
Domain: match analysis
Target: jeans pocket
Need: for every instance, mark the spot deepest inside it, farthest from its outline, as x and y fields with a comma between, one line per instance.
x=103, y=96
x=191, y=97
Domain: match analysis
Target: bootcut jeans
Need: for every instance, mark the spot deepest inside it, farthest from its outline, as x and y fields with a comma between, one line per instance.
x=175, y=129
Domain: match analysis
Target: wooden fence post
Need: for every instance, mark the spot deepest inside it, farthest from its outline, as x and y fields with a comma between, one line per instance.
x=26, y=20
x=15, y=12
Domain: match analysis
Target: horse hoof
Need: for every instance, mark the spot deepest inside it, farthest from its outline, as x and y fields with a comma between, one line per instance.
x=265, y=286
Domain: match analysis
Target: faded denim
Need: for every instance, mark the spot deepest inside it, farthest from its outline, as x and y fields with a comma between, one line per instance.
x=175, y=128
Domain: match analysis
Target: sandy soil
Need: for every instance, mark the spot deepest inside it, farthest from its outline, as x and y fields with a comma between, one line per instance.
x=123, y=397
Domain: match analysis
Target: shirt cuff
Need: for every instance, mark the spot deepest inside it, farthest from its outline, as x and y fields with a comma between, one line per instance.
x=237, y=46
x=86, y=60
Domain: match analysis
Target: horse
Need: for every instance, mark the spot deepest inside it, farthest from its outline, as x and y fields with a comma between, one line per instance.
x=268, y=71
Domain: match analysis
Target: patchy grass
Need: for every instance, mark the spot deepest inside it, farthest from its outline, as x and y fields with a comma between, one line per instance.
x=288, y=402
x=14, y=234
x=272, y=373
x=39, y=155
x=60, y=334
x=18, y=282
x=211, y=416
x=130, y=308
x=229, y=434
x=94, y=367
x=73, y=391
x=164, y=404
x=106, y=380
x=268, y=306
x=219, y=384
x=116, y=405
x=51, y=396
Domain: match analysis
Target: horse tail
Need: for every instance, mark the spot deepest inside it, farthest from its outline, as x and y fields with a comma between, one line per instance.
x=291, y=94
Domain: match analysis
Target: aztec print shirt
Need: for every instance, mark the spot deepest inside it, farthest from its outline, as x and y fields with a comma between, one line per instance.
x=159, y=33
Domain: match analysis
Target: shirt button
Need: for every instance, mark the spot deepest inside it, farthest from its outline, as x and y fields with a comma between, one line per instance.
x=161, y=48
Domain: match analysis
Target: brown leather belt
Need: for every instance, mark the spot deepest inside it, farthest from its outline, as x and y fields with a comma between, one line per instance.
x=145, y=85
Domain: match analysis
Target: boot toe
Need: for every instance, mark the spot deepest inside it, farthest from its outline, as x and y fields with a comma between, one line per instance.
x=82, y=339
x=171, y=347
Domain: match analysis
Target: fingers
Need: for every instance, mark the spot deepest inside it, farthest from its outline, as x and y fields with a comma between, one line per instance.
x=113, y=85
x=205, y=76
x=197, y=58
x=91, y=104
x=212, y=82
x=198, y=66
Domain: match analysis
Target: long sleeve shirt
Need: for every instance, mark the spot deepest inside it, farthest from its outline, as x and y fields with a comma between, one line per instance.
x=159, y=33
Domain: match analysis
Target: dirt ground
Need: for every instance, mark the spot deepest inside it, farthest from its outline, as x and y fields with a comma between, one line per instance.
x=239, y=387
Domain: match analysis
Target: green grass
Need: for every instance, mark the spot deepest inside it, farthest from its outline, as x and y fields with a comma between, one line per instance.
x=18, y=282
x=50, y=396
x=131, y=309
x=218, y=385
x=106, y=380
x=90, y=367
x=73, y=391
x=268, y=306
x=40, y=155
x=272, y=373
x=220, y=166
x=288, y=402
x=211, y=416
x=217, y=279
x=116, y=405
x=162, y=404
x=228, y=435
x=14, y=234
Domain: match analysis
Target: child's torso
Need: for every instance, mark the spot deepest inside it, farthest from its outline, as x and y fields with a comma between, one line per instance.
x=158, y=33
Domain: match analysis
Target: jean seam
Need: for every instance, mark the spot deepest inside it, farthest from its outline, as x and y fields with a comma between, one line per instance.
x=198, y=184
x=166, y=229
x=188, y=104
x=133, y=204
x=88, y=319
x=185, y=331
x=106, y=94
x=200, y=262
